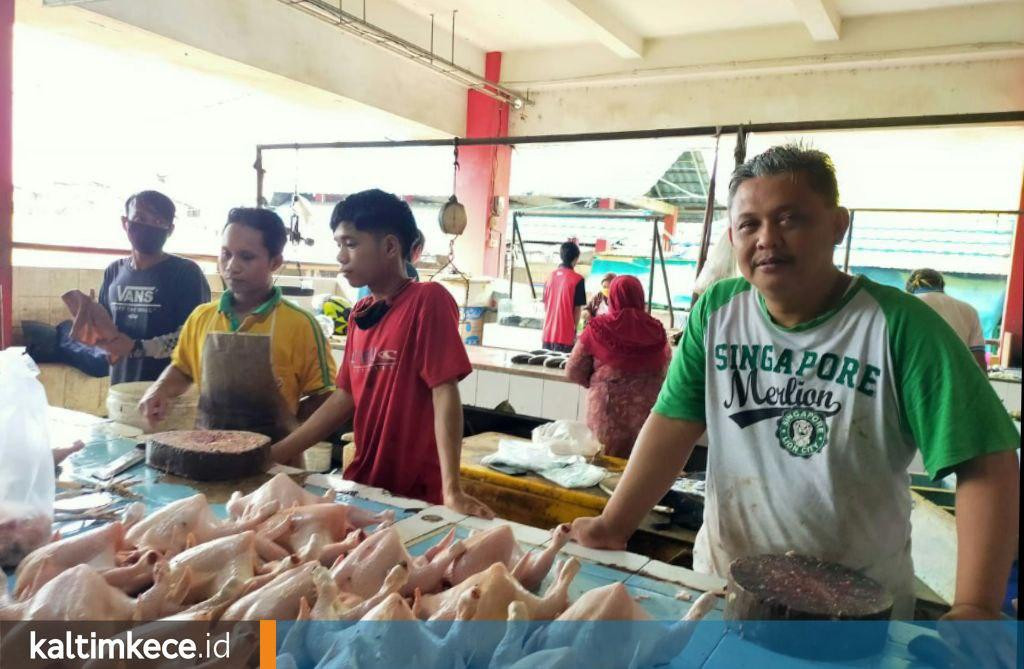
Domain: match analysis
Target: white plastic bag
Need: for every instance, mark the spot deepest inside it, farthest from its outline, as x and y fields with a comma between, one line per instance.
x=721, y=264
x=26, y=464
x=566, y=437
x=568, y=471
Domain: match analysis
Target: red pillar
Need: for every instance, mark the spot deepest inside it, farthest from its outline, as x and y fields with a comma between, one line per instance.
x=6, y=169
x=483, y=176
x=1012, y=316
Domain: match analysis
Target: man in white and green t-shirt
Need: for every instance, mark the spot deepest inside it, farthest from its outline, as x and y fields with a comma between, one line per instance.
x=816, y=388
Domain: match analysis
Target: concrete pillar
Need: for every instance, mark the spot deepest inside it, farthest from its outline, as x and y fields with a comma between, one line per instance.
x=483, y=177
x=6, y=170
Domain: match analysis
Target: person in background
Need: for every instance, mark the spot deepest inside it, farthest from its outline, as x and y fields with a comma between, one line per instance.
x=598, y=305
x=399, y=378
x=929, y=285
x=260, y=362
x=410, y=264
x=564, y=298
x=621, y=357
x=150, y=293
x=815, y=388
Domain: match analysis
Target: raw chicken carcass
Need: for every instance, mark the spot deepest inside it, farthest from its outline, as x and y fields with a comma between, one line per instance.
x=323, y=531
x=104, y=549
x=334, y=604
x=190, y=520
x=364, y=569
x=371, y=645
x=646, y=643
x=280, y=489
x=208, y=567
x=81, y=593
x=498, y=588
x=279, y=599
x=498, y=544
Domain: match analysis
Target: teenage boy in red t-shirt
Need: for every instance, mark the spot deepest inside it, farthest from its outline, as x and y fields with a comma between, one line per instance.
x=564, y=297
x=402, y=364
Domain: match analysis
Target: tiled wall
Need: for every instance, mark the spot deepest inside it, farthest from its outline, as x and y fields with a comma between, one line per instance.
x=36, y=297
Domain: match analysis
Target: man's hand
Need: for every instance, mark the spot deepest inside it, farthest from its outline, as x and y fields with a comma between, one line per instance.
x=117, y=348
x=467, y=504
x=593, y=533
x=977, y=643
x=154, y=406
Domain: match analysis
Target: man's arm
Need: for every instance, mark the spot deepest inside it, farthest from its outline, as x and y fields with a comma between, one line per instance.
x=448, y=432
x=154, y=404
x=310, y=403
x=662, y=449
x=987, y=525
x=979, y=356
x=336, y=410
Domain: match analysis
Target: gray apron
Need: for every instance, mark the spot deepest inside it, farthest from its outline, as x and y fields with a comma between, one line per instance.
x=238, y=388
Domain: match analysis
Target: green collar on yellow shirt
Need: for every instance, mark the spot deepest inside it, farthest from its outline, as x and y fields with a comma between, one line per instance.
x=226, y=307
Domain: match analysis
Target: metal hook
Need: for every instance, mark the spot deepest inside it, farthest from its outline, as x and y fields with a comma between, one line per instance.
x=455, y=172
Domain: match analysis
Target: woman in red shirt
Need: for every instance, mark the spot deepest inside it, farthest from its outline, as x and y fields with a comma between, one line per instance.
x=622, y=357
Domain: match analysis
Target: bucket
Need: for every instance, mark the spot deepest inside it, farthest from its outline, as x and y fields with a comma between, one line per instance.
x=123, y=407
x=317, y=458
x=471, y=324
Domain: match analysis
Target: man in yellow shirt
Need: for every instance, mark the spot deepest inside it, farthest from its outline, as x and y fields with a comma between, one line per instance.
x=259, y=361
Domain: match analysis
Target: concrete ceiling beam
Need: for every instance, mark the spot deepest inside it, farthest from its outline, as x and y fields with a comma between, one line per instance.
x=609, y=30
x=821, y=18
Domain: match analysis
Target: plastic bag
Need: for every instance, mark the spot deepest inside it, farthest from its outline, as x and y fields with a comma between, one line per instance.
x=566, y=437
x=26, y=473
x=568, y=471
x=526, y=455
x=721, y=264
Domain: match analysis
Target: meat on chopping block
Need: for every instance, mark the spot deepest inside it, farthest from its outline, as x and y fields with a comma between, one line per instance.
x=765, y=588
x=280, y=489
x=209, y=455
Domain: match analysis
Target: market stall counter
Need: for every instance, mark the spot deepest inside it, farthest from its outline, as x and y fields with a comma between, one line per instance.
x=417, y=535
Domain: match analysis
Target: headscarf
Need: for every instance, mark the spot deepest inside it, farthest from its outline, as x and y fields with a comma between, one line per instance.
x=627, y=338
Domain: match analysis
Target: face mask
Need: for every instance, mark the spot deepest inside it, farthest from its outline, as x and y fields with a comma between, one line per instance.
x=146, y=238
x=606, y=291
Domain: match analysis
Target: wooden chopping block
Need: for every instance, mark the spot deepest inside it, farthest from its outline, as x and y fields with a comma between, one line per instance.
x=765, y=589
x=209, y=455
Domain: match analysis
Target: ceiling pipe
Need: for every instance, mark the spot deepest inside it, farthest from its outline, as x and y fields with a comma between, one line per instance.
x=335, y=15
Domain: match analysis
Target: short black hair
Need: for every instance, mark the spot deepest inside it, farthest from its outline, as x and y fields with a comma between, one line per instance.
x=266, y=221
x=379, y=213
x=569, y=252
x=925, y=278
x=160, y=204
x=815, y=165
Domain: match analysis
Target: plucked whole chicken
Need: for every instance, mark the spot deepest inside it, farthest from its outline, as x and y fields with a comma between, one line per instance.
x=285, y=553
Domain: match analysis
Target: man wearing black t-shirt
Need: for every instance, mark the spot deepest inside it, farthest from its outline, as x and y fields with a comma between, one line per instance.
x=150, y=293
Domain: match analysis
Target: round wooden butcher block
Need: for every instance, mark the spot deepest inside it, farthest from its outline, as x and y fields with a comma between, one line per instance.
x=209, y=455
x=764, y=590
